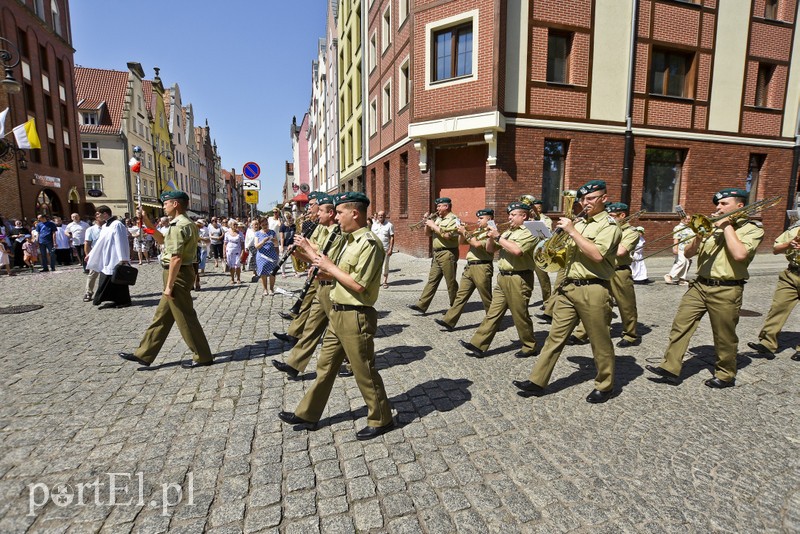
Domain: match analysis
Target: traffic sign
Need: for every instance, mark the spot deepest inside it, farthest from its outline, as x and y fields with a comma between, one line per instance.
x=251, y=170
x=252, y=185
x=251, y=197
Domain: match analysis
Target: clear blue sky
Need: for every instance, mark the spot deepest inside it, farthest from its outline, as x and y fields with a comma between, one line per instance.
x=245, y=65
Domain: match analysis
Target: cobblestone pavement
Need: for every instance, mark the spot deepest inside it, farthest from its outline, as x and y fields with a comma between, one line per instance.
x=470, y=454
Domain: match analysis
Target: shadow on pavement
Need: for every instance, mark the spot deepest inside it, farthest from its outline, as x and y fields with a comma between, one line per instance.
x=405, y=282
x=392, y=356
x=626, y=371
x=388, y=330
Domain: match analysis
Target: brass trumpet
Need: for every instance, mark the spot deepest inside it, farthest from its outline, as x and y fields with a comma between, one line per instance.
x=550, y=255
x=480, y=233
x=420, y=224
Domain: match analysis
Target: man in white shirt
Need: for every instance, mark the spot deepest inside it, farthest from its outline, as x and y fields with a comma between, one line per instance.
x=63, y=243
x=385, y=232
x=110, y=249
x=91, y=235
x=76, y=230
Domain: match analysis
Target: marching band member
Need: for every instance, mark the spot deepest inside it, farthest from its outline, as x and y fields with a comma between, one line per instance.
x=543, y=276
x=786, y=294
x=722, y=261
x=514, y=285
x=478, y=272
x=445, y=254
x=584, y=295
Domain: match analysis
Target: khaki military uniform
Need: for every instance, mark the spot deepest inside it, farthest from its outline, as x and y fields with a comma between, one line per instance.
x=298, y=324
x=512, y=292
x=477, y=275
x=445, y=257
x=180, y=239
x=787, y=293
x=717, y=290
x=584, y=295
x=318, y=317
x=542, y=275
x=353, y=322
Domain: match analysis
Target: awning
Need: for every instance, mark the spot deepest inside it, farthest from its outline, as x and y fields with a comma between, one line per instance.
x=302, y=197
x=190, y=214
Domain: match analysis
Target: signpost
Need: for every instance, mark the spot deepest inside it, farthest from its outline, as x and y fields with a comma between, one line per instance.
x=251, y=197
x=251, y=185
x=251, y=170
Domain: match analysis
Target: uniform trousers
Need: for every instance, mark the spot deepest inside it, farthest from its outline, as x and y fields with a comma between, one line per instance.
x=551, y=302
x=544, y=283
x=179, y=309
x=512, y=292
x=477, y=276
x=591, y=305
x=624, y=294
x=298, y=324
x=315, y=326
x=723, y=304
x=443, y=264
x=787, y=293
x=350, y=332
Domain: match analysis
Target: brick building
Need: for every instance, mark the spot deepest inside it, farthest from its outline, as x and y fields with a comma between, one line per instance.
x=668, y=101
x=51, y=179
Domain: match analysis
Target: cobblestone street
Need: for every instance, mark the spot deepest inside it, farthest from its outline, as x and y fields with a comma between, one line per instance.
x=470, y=455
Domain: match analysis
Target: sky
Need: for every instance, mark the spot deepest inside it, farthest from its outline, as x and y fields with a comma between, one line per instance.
x=245, y=65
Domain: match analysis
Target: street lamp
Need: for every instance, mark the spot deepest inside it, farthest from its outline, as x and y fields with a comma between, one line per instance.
x=10, y=59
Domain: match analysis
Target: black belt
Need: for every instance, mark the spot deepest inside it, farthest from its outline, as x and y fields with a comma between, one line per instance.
x=479, y=262
x=713, y=282
x=166, y=267
x=326, y=282
x=509, y=273
x=447, y=249
x=794, y=268
x=350, y=307
x=584, y=281
x=623, y=268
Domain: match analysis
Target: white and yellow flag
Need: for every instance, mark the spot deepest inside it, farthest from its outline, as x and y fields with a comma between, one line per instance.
x=26, y=135
x=3, y=122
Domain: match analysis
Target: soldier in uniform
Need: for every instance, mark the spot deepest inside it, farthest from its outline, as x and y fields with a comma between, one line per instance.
x=353, y=322
x=584, y=294
x=298, y=323
x=514, y=285
x=543, y=276
x=445, y=254
x=477, y=274
x=621, y=284
x=175, y=306
x=320, y=309
x=722, y=260
x=787, y=293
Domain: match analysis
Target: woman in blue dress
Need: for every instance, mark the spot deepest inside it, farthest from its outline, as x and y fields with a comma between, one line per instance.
x=266, y=243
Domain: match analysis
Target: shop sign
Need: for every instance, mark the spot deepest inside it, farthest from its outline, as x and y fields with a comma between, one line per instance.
x=46, y=181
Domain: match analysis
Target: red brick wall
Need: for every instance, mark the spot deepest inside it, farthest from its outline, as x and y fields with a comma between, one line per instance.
x=669, y=113
x=770, y=42
x=571, y=12
x=675, y=23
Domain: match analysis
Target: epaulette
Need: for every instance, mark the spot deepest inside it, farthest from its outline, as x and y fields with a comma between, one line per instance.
x=612, y=220
x=369, y=236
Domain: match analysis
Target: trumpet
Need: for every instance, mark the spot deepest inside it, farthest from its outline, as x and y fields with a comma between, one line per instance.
x=550, y=255
x=420, y=224
x=480, y=233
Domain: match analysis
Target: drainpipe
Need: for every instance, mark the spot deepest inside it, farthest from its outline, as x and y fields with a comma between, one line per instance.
x=792, y=200
x=627, y=163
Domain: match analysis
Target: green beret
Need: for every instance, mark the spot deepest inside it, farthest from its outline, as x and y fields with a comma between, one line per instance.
x=443, y=200
x=485, y=211
x=537, y=201
x=731, y=192
x=174, y=195
x=323, y=198
x=616, y=207
x=351, y=196
x=590, y=186
x=518, y=206
x=313, y=194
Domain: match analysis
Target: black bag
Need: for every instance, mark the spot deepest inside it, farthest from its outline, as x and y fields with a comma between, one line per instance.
x=124, y=275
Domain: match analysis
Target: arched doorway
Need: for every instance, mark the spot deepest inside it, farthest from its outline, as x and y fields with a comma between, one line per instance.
x=74, y=200
x=47, y=203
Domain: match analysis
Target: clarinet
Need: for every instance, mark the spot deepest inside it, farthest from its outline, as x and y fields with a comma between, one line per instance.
x=290, y=249
x=295, y=310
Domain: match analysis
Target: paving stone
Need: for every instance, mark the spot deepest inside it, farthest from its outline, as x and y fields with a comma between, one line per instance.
x=367, y=515
x=360, y=488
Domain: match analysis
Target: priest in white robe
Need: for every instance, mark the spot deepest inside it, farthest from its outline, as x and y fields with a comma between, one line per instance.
x=110, y=249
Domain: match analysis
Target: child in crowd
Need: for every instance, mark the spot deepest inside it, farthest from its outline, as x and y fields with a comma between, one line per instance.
x=30, y=252
x=4, y=256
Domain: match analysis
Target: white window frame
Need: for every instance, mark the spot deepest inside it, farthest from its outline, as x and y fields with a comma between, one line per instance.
x=91, y=149
x=386, y=28
x=386, y=102
x=403, y=83
x=56, y=17
x=443, y=24
x=90, y=117
x=373, y=51
x=402, y=11
x=93, y=179
x=373, y=117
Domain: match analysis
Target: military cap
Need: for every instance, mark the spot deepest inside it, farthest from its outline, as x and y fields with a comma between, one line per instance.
x=351, y=196
x=590, y=186
x=537, y=201
x=485, y=211
x=518, y=206
x=616, y=207
x=730, y=192
x=324, y=198
x=443, y=200
x=174, y=195
x=313, y=194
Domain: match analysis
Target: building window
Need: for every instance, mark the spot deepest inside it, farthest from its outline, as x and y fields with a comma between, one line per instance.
x=51, y=152
x=662, y=179
x=386, y=104
x=90, y=151
x=38, y=8
x=753, y=171
x=403, y=8
x=373, y=51
x=89, y=117
x=555, y=157
x=404, y=184
x=139, y=102
x=56, y=17
x=93, y=181
x=672, y=73
x=763, y=82
x=67, y=158
x=386, y=28
x=404, y=85
x=386, y=185
x=452, y=51
x=30, y=101
x=373, y=117
x=373, y=184
x=771, y=9
x=559, y=46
